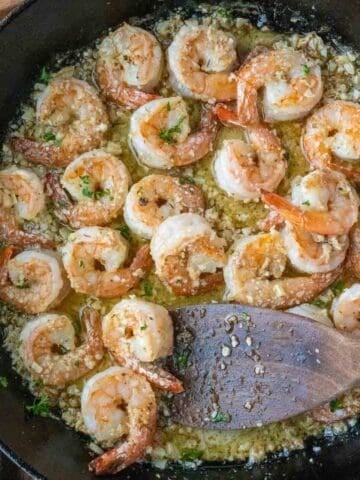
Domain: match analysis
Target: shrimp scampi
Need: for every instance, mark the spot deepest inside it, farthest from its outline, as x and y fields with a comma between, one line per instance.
x=160, y=134
x=93, y=259
x=201, y=59
x=129, y=66
x=254, y=275
x=98, y=183
x=188, y=254
x=157, y=197
x=49, y=351
x=118, y=403
x=72, y=120
x=137, y=333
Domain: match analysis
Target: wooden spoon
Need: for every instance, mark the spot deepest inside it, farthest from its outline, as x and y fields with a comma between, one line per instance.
x=244, y=367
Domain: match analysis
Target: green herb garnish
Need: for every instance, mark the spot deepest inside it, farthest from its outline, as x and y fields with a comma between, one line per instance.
x=85, y=179
x=223, y=12
x=148, y=288
x=45, y=75
x=39, y=407
x=62, y=350
x=307, y=203
x=23, y=285
x=181, y=359
x=335, y=405
x=3, y=382
x=125, y=231
x=51, y=137
x=143, y=327
x=87, y=192
x=81, y=264
x=101, y=193
x=186, y=180
x=220, y=417
x=168, y=135
x=168, y=106
x=191, y=454
x=306, y=69
x=337, y=287
x=320, y=303
x=244, y=316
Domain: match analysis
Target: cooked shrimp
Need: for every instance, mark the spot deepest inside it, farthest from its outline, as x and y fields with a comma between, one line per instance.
x=98, y=182
x=35, y=280
x=160, y=134
x=73, y=120
x=137, y=333
x=254, y=270
x=188, y=254
x=93, y=257
x=244, y=169
x=324, y=202
x=157, y=197
x=49, y=351
x=345, y=309
x=331, y=133
x=312, y=253
x=115, y=403
x=309, y=310
x=129, y=66
x=201, y=59
x=292, y=86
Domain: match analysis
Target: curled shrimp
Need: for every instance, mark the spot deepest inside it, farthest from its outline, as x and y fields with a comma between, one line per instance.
x=332, y=133
x=345, y=309
x=292, y=87
x=33, y=281
x=93, y=257
x=329, y=204
x=129, y=66
x=244, y=169
x=137, y=333
x=201, y=59
x=188, y=254
x=118, y=403
x=253, y=275
x=21, y=198
x=98, y=182
x=157, y=197
x=73, y=120
x=49, y=351
x=160, y=134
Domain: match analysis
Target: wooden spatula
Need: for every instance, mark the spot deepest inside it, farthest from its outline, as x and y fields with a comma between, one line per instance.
x=244, y=367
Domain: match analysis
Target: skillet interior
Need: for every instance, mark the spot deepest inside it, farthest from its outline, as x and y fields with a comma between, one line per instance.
x=28, y=38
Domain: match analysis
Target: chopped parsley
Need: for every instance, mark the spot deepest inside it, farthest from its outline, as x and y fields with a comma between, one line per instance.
x=181, y=359
x=337, y=287
x=191, y=454
x=62, y=350
x=223, y=12
x=306, y=69
x=81, y=264
x=186, y=180
x=23, y=285
x=307, y=203
x=168, y=106
x=220, y=417
x=87, y=192
x=102, y=192
x=320, y=303
x=50, y=136
x=3, y=382
x=39, y=407
x=168, y=135
x=335, y=405
x=148, y=288
x=143, y=327
x=125, y=231
x=45, y=75
x=244, y=316
x=85, y=179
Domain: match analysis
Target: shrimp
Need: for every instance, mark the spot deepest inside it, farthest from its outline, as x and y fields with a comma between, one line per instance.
x=129, y=66
x=114, y=403
x=254, y=270
x=354, y=250
x=49, y=351
x=73, y=120
x=201, y=59
x=309, y=310
x=345, y=309
x=188, y=254
x=137, y=333
x=93, y=257
x=157, y=197
x=33, y=281
x=160, y=134
x=292, y=86
x=244, y=169
x=312, y=253
x=331, y=133
x=324, y=202
x=21, y=198
x=98, y=182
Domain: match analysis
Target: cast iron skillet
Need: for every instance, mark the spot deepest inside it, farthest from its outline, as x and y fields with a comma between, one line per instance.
x=44, y=447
